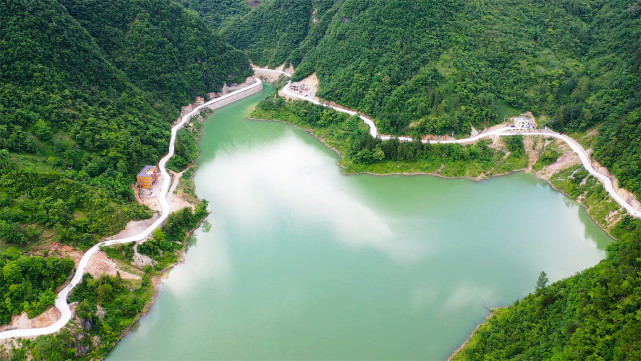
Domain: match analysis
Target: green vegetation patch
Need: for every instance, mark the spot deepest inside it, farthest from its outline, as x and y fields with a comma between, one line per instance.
x=579, y=184
x=593, y=315
x=362, y=153
x=27, y=284
x=81, y=210
x=186, y=149
x=166, y=243
x=548, y=157
x=106, y=308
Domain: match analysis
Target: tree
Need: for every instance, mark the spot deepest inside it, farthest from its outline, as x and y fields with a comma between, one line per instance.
x=542, y=281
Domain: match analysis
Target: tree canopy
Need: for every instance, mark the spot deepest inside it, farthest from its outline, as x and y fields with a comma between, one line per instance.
x=88, y=91
x=437, y=67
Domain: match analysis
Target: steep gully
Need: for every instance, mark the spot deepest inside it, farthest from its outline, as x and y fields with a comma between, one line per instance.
x=61, y=300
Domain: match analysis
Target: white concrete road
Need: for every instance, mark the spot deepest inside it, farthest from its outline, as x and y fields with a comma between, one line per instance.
x=61, y=301
x=505, y=131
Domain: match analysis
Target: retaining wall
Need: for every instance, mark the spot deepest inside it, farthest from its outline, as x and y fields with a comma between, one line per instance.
x=235, y=96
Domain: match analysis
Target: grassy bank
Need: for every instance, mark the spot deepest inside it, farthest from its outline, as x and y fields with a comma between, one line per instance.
x=360, y=153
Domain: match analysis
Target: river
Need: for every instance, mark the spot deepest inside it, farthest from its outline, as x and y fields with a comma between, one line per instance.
x=297, y=261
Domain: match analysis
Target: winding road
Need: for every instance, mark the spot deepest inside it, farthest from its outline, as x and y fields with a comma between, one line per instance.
x=505, y=131
x=61, y=300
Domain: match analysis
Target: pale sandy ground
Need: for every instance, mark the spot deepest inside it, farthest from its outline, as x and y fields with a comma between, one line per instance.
x=311, y=82
x=565, y=161
x=267, y=76
x=101, y=264
x=624, y=193
x=270, y=76
x=57, y=249
x=151, y=200
x=150, y=196
x=22, y=321
x=176, y=203
x=135, y=227
x=289, y=70
x=141, y=260
x=533, y=147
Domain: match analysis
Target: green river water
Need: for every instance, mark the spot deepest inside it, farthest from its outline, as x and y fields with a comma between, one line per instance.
x=297, y=261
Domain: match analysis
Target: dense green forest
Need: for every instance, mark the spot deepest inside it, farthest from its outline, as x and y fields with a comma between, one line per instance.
x=438, y=67
x=161, y=47
x=219, y=13
x=27, y=283
x=88, y=90
x=277, y=28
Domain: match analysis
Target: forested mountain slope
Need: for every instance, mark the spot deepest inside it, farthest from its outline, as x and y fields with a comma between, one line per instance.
x=437, y=67
x=218, y=13
x=80, y=115
x=270, y=31
x=160, y=47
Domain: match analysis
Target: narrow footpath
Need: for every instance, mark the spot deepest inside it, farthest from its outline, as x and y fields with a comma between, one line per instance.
x=61, y=300
x=505, y=131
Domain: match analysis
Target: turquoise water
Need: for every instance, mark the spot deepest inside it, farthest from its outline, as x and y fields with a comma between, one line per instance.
x=297, y=261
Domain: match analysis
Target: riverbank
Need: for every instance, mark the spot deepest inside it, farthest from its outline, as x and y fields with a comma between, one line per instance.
x=551, y=173
x=564, y=170
x=624, y=198
x=134, y=249
x=375, y=163
x=280, y=193
x=462, y=346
